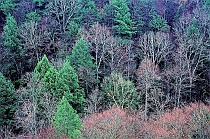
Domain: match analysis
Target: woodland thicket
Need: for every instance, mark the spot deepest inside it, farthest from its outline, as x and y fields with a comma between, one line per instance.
x=104, y=69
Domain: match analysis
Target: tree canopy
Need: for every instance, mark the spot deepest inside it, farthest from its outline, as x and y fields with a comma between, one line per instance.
x=8, y=102
x=66, y=121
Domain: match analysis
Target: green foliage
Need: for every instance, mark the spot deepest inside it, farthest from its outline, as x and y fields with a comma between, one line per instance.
x=124, y=26
x=10, y=34
x=67, y=85
x=158, y=23
x=88, y=14
x=192, y=30
x=66, y=121
x=8, y=103
x=33, y=16
x=11, y=63
x=80, y=57
x=50, y=80
x=120, y=92
x=8, y=65
x=45, y=72
x=206, y=3
x=42, y=67
x=6, y=6
x=107, y=15
x=137, y=15
x=81, y=60
x=39, y=2
x=73, y=30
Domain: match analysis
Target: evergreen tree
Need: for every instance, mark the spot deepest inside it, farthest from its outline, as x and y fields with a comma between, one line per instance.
x=66, y=121
x=42, y=67
x=80, y=57
x=6, y=6
x=124, y=26
x=158, y=23
x=136, y=15
x=81, y=60
x=67, y=85
x=11, y=64
x=8, y=103
x=47, y=74
x=33, y=16
x=107, y=15
x=88, y=14
x=73, y=30
x=206, y=5
x=10, y=34
x=142, y=12
x=193, y=30
x=50, y=80
x=40, y=93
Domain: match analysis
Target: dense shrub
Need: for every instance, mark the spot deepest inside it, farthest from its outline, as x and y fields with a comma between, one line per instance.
x=114, y=123
x=192, y=121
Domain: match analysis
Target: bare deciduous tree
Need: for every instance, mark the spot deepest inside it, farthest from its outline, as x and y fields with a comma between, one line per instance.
x=109, y=52
x=188, y=60
x=155, y=48
x=37, y=107
x=148, y=77
x=36, y=39
x=63, y=11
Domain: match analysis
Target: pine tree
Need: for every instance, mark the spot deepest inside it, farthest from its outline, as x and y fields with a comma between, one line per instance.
x=124, y=26
x=50, y=80
x=42, y=67
x=67, y=85
x=193, y=30
x=107, y=15
x=10, y=34
x=33, y=16
x=8, y=103
x=137, y=15
x=81, y=60
x=11, y=64
x=47, y=74
x=80, y=57
x=88, y=14
x=158, y=23
x=66, y=121
x=73, y=30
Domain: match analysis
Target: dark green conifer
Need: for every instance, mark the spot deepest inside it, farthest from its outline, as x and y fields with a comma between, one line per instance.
x=124, y=26
x=88, y=14
x=7, y=6
x=66, y=121
x=10, y=34
x=8, y=103
x=67, y=85
x=80, y=57
x=11, y=64
x=42, y=67
x=158, y=23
